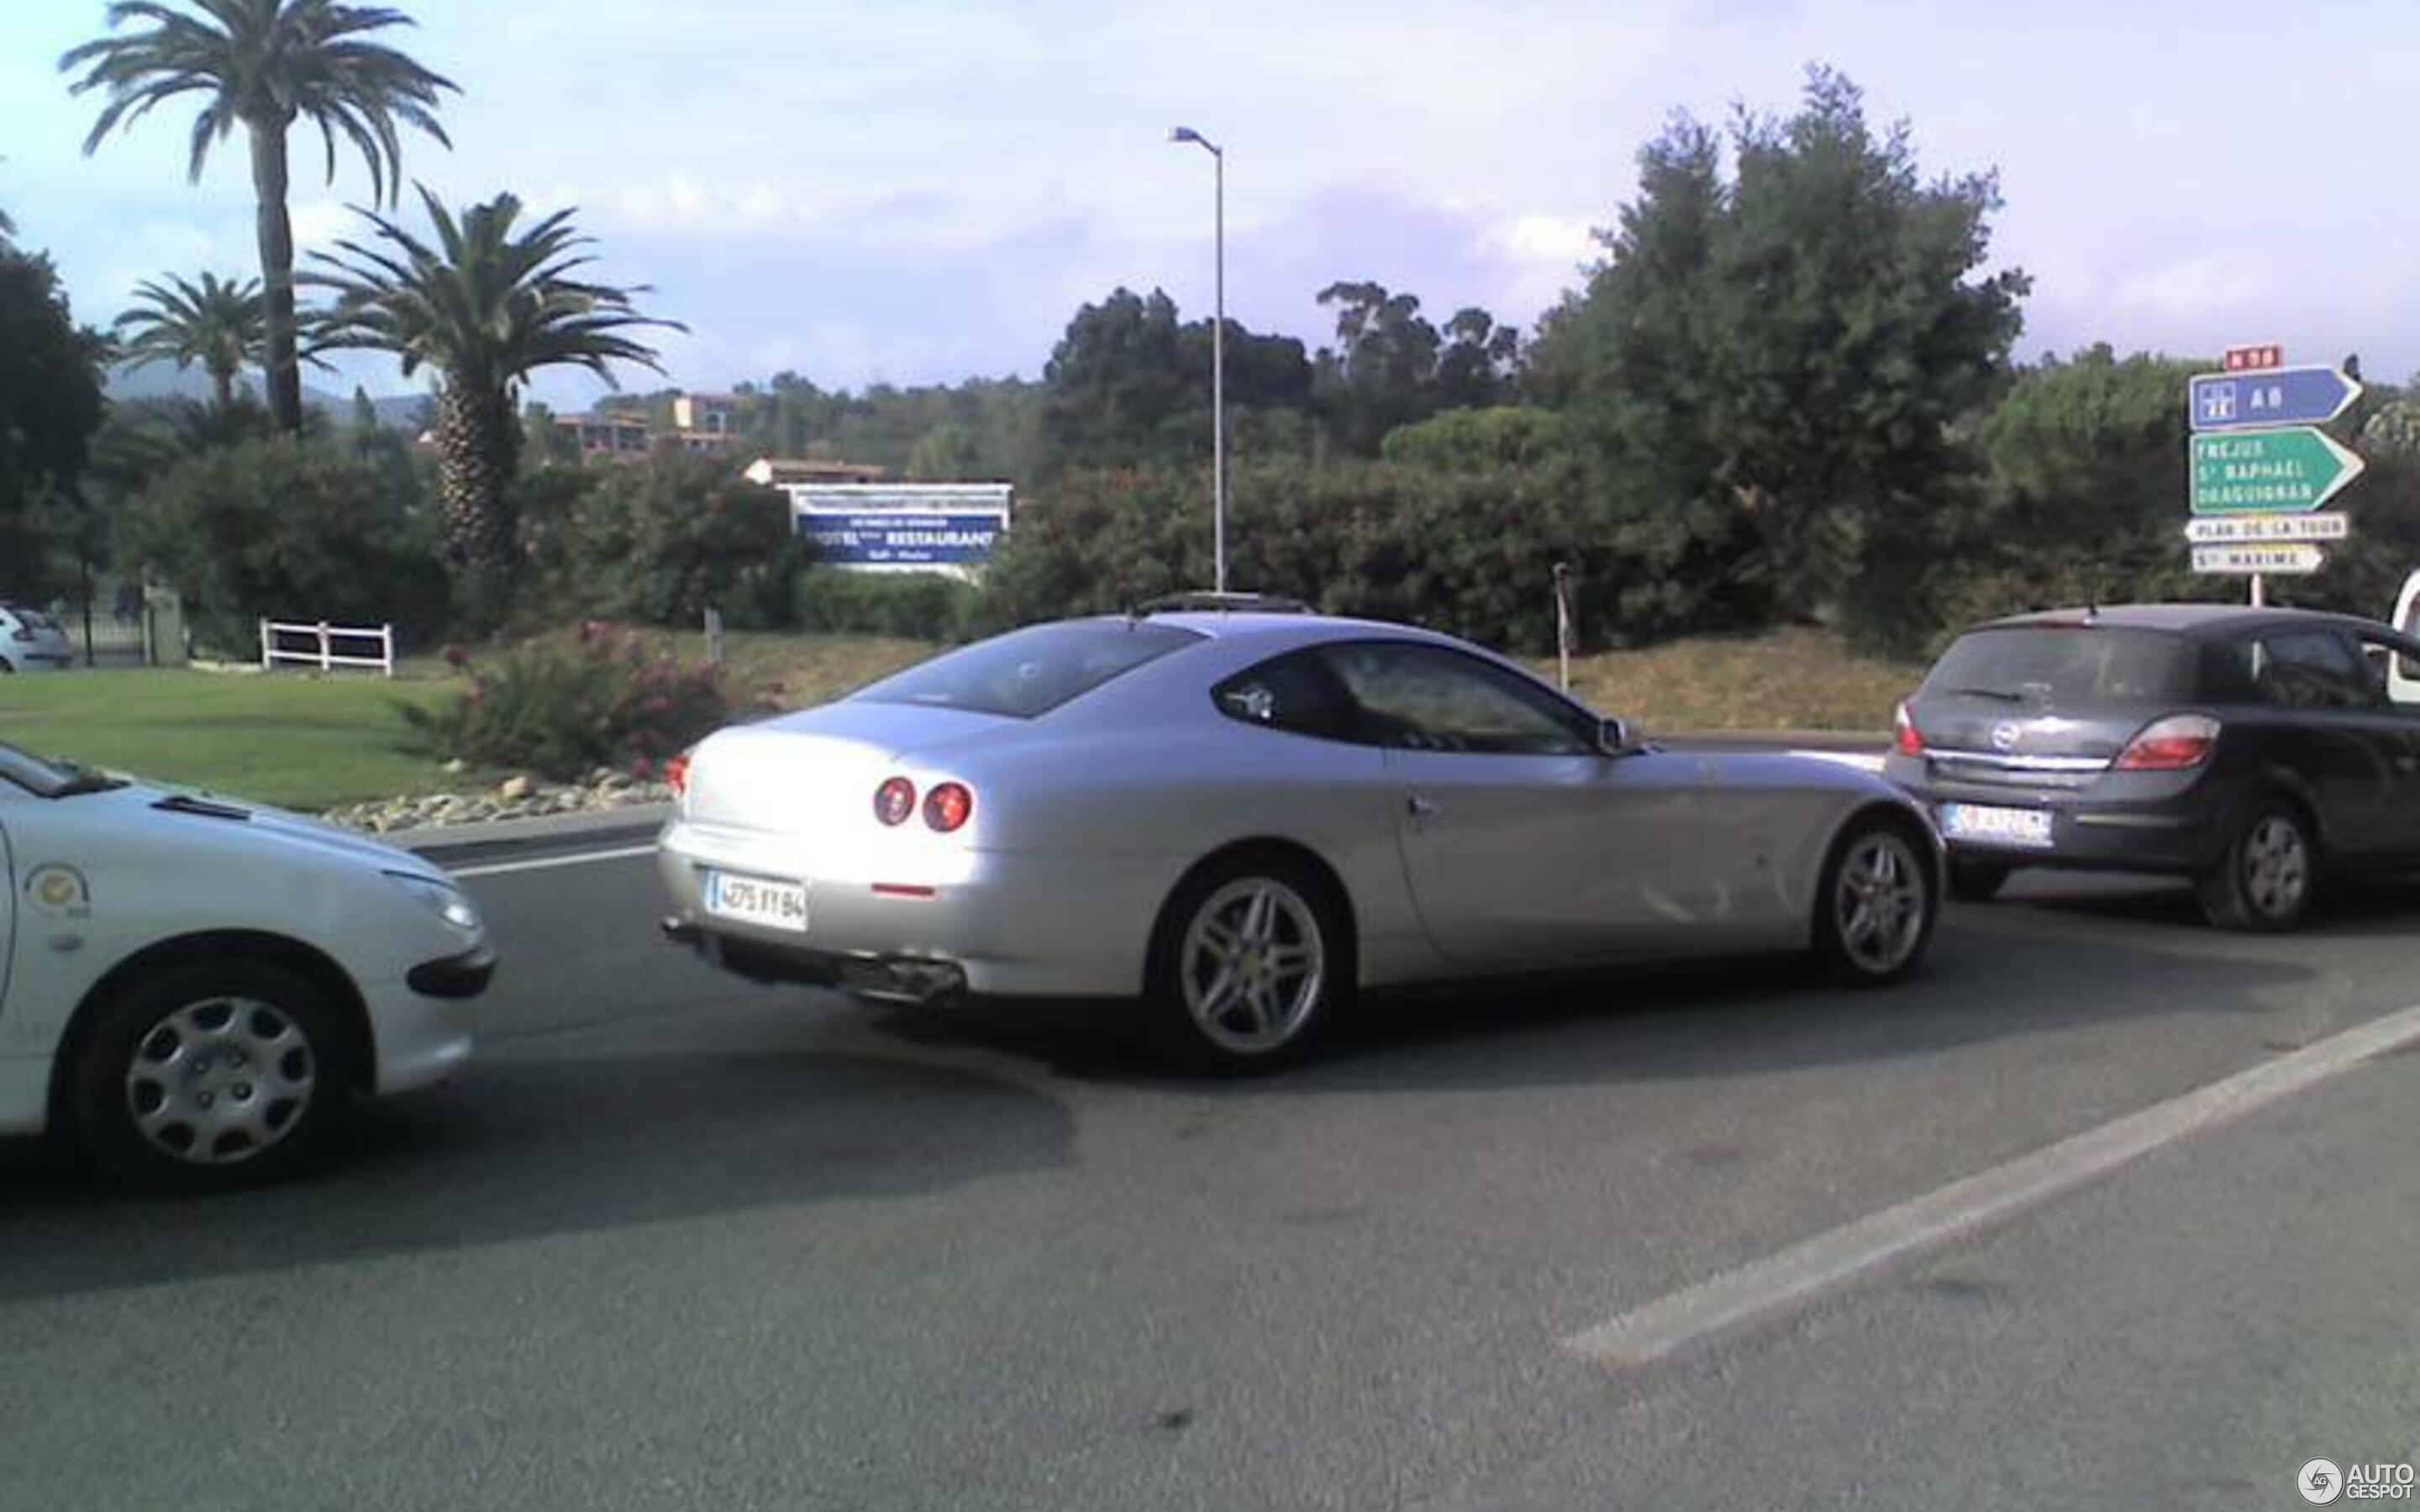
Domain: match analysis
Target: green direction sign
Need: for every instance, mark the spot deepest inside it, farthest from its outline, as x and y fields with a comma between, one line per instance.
x=2268, y=471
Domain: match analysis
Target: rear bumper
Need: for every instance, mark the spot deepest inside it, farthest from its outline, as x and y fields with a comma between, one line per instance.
x=925, y=926
x=2168, y=824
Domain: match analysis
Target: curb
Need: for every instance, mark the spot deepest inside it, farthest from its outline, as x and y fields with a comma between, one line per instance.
x=630, y=822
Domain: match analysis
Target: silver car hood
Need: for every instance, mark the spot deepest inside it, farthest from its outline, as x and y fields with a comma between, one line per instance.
x=233, y=822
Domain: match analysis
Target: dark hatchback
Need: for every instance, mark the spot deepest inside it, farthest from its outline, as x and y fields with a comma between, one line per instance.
x=2253, y=750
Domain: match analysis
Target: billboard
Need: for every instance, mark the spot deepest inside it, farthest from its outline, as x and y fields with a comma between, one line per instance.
x=902, y=527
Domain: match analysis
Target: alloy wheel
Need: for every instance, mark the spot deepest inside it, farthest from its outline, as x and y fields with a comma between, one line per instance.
x=1252, y=965
x=1879, y=902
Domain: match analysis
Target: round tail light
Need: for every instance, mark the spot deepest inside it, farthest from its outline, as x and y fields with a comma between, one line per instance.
x=1905, y=738
x=895, y=800
x=676, y=775
x=947, y=806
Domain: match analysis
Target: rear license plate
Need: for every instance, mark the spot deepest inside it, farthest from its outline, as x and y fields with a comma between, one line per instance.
x=2028, y=827
x=757, y=900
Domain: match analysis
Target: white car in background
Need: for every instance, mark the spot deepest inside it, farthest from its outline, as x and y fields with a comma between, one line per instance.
x=193, y=988
x=31, y=641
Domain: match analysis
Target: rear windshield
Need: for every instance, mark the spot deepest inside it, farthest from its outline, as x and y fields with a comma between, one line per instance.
x=2060, y=665
x=1031, y=671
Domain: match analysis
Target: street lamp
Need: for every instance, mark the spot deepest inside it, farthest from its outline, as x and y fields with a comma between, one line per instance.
x=1218, y=355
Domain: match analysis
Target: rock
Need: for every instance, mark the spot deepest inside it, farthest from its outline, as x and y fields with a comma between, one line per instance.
x=456, y=768
x=514, y=789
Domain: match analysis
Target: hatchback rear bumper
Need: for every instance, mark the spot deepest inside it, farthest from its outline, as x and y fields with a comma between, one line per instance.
x=2177, y=832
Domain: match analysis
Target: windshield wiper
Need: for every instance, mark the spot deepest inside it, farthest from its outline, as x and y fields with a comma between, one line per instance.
x=2000, y=695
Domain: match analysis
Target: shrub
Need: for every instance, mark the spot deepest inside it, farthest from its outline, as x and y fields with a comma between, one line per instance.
x=562, y=706
x=660, y=542
x=917, y=606
x=288, y=529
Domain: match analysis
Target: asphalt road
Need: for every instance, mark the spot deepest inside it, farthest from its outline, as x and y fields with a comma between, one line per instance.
x=680, y=1242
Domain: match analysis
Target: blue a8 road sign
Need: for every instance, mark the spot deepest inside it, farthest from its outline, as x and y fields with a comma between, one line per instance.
x=2278, y=396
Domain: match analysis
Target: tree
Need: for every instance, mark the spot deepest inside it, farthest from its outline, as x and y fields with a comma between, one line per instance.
x=50, y=405
x=485, y=306
x=1480, y=365
x=1778, y=363
x=219, y=324
x=286, y=527
x=1127, y=385
x=1383, y=371
x=265, y=65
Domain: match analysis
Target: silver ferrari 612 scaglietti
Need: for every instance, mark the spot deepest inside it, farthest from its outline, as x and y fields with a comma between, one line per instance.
x=1243, y=814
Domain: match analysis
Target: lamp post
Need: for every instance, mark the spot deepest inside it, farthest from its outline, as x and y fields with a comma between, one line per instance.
x=1217, y=354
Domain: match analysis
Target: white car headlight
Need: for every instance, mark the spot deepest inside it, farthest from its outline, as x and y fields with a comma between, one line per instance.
x=448, y=902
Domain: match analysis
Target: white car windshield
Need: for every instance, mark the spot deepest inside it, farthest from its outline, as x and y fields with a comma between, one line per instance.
x=48, y=779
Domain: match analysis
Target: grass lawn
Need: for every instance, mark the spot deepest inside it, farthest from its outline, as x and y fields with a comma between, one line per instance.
x=301, y=740
x=310, y=741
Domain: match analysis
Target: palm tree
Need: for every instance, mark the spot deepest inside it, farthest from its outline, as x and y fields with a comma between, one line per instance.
x=483, y=307
x=266, y=64
x=218, y=323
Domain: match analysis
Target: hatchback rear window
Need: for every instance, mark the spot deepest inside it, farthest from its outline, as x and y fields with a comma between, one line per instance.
x=1031, y=671
x=2059, y=665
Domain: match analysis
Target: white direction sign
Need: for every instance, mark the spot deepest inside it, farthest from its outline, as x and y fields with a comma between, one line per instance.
x=2244, y=561
x=2212, y=530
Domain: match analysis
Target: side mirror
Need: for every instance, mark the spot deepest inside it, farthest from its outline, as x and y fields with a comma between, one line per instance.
x=1614, y=738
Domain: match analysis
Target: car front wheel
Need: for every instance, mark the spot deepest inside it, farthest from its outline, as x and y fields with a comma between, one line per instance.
x=1249, y=961
x=210, y=1076
x=2268, y=876
x=1874, y=910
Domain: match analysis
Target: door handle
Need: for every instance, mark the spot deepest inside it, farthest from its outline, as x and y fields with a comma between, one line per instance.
x=1419, y=808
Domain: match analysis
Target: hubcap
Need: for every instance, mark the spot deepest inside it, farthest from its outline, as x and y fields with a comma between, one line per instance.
x=1253, y=964
x=1879, y=902
x=220, y=1080
x=2276, y=867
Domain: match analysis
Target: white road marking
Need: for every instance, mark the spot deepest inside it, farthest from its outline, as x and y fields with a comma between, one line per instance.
x=1783, y=1280
x=546, y=862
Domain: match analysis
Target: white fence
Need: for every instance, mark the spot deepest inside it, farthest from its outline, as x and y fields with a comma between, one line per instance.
x=327, y=645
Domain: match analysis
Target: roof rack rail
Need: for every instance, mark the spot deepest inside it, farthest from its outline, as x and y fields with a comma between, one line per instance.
x=1199, y=601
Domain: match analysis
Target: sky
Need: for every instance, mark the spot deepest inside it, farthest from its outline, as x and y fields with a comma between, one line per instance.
x=926, y=190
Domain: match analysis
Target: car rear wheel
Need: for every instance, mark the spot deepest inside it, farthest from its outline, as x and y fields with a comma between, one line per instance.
x=1875, y=907
x=2268, y=875
x=1250, y=961
x=212, y=1076
x=1976, y=882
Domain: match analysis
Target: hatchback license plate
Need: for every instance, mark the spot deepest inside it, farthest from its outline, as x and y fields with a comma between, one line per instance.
x=2028, y=827
x=757, y=900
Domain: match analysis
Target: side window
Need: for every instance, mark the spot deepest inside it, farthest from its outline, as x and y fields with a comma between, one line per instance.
x=2311, y=669
x=1428, y=697
x=1295, y=692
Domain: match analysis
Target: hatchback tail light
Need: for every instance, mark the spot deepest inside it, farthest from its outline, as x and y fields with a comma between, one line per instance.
x=1905, y=738
x=895, y=800
x=2171, y=744
x=676, y=775
x=948, y=806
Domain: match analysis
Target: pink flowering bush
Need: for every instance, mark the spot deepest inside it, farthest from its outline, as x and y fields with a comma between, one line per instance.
x=560, y=706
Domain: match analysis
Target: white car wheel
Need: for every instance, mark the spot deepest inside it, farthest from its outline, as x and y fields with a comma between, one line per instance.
x=212, y=1076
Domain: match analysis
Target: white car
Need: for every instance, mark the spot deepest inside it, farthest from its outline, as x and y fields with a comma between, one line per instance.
x=31, y=641
x=193, y=988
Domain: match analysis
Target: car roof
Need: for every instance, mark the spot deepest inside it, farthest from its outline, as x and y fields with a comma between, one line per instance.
x=2200, y=620
x=1285, y=627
